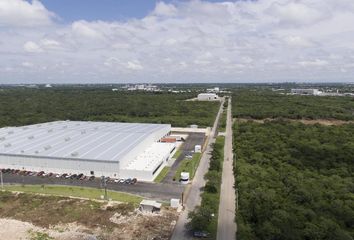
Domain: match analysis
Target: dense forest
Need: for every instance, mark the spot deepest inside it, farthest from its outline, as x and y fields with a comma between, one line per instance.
x=27, y=106
x=294, y=181
x=260, y=104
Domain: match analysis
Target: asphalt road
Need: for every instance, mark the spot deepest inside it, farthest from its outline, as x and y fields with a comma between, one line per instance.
x=155, y=191
x=226, y=218
x=193, y=199
x=188, y=146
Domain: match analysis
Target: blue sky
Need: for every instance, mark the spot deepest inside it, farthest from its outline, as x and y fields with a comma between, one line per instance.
x=106, y=10
x=170, y=41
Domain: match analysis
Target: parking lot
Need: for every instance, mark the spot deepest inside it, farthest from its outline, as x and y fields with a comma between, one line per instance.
x=186, y=149
x=149, y=190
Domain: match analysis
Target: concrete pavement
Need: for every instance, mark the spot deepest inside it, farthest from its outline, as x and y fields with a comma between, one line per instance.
x=227, y=205
x=193, y=198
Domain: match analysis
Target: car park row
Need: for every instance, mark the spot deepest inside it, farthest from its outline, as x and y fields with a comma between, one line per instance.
x=80, y=176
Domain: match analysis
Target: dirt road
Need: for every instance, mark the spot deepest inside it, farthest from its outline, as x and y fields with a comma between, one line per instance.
x=226, y=219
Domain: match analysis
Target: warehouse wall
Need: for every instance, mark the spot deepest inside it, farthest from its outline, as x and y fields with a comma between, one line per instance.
x=60, y=165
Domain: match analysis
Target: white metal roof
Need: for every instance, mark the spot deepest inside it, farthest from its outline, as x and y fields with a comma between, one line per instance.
x=151, y=203
x=75, y=139
x=151, y=157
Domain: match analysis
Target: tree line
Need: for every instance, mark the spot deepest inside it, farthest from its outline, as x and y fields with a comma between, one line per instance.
x=260, y=104
x=29, y=106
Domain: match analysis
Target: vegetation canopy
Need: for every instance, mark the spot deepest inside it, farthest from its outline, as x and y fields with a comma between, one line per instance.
x=29, y=106
x=294, y=181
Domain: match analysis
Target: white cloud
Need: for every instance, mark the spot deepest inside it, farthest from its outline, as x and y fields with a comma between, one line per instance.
x=32, y=47
x=296, y=12
x=87, y=30
x=134, y=65
x=314, y=63
x=27, y=64
x=50, y=43
x=260, y=40
x=163, y=9
x=297, y=41
x=19, y=13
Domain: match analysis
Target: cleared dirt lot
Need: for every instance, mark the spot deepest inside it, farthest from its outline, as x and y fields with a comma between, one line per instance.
x=25, y=215
x=326, y=122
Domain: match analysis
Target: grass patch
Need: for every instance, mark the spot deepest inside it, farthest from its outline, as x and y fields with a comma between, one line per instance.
x=177, y=153
x=162, y=174
x=39, y=236
x=71, y=191
x=222, y=121
x=188, y=165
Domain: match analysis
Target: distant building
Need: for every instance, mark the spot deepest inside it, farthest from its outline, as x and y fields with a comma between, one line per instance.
x=308, y=91
x=48, y=86
x=142, y=87
x=208, y=97
x=213, y=90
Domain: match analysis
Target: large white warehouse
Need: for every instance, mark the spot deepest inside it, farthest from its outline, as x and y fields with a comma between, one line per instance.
x=208, y=97
x=119, y=150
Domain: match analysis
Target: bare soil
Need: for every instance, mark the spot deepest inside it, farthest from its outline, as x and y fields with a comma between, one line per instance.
x=65, y=218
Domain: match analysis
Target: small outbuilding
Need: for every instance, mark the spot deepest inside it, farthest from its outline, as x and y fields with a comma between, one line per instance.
x=198, y=148
x=150, y=206
x=175, y=203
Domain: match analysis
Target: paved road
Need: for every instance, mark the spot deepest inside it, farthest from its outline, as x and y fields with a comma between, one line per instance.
x=149, y=190
x=226, y=219
x=193, y=199
x=188, y=146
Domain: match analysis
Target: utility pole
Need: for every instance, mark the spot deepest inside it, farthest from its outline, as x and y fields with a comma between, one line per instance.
x=104, y=184
x=2, y=181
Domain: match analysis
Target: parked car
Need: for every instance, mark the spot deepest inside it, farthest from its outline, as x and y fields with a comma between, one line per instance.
x=121, y=180
x=57, y=176
x=134, y=180
x=40, y=173
x=64, y=175
x=91, y=178
x=83, y=177
x=116, y=180
x=73, y=176
x=128, y=181
x=200, y=234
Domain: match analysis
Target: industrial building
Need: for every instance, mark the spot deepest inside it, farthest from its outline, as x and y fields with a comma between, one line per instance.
x=208, y=97
x=119, y=150
x=306, y=91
